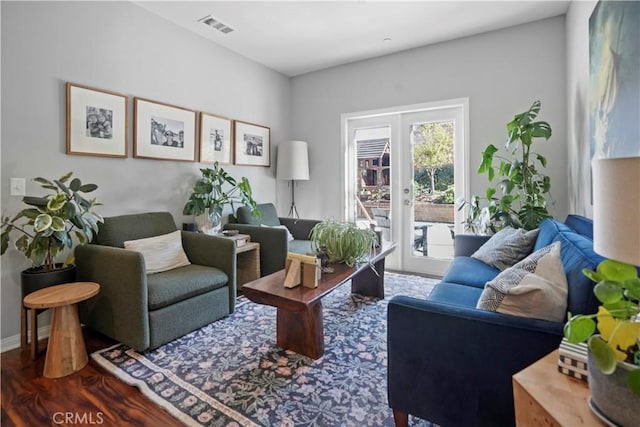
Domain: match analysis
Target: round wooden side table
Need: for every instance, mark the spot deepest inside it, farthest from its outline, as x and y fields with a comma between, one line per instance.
x=66, y=352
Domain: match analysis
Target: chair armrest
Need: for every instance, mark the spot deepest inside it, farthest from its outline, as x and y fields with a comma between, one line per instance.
x=299, y=228
x=453, y=365
x=467, y=244
x=213, y=251
x=273, y=245
x=120, y=310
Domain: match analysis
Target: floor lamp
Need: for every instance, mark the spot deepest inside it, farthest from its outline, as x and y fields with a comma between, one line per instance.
x=293, y=165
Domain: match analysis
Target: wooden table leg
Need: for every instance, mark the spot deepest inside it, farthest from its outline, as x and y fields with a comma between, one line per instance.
x=301, y=331
x=368, y=283
x=66, y=352
x=34, y=333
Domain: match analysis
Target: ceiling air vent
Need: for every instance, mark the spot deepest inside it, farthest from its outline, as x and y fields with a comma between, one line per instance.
x=214, y=23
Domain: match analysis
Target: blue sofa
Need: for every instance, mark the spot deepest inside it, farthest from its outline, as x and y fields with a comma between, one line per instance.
x=451, y=363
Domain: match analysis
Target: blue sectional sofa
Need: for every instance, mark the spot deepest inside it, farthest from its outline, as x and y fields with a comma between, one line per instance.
x=451, y=363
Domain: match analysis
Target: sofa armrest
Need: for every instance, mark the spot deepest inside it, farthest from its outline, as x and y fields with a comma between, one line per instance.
x=452, y=365
x=213, y=251
x=120, y=310
x=273, y=245
x=467, y=244
x=299, y=228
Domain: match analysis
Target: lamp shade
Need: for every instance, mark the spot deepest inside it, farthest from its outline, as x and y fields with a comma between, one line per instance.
x=616, y=208
x=292, y=161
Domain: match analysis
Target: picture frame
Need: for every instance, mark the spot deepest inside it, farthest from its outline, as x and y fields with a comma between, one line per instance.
x=216, y=139
x=97, y=122
x=252, y=145
x=163, y=131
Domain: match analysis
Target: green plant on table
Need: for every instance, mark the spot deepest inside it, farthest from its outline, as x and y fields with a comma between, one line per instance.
x=343, y=241
x=48, y=225
x=618, y=290
x=216, y=189
x=524, y=189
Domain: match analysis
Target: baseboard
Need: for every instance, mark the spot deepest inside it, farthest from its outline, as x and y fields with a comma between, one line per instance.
x=13, y=341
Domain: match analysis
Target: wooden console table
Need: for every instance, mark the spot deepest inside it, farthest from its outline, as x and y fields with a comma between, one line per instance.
x=545, y=397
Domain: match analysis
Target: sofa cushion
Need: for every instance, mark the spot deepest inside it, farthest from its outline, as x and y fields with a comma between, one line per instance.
x=282, y=227
x=300, y=246
x=453, y=293
x=170, y=287
x=161, y=253
x=535, y=287
x=268, y=215
x=576, y=253
x=549, y=229
x=581, y=225
x=115, y=230
x=469, y=271
x=506, y=247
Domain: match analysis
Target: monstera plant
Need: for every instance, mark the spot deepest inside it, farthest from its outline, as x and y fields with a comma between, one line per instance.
x=520, y=196
x=49, y=224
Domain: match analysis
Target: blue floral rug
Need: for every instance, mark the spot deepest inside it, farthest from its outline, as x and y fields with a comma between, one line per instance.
x=230, y=373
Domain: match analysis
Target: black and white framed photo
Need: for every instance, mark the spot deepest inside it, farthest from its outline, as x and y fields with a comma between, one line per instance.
x=163, y=131
x=96, y=122
x=252, y=144
x=215, y=139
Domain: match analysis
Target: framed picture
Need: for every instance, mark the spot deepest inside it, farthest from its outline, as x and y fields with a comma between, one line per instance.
x=215, y=139
x=252, y=144
x=96, y=122
x=163, y=131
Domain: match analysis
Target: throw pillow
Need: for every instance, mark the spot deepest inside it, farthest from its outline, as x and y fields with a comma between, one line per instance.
x=506, y=247
x=161, y=253
x=536, y=287
x=284, y=227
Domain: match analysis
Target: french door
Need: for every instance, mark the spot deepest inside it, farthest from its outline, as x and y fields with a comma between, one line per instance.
x=403, y=170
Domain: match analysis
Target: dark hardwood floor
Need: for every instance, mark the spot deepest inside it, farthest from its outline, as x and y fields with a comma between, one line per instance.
x=88, y=397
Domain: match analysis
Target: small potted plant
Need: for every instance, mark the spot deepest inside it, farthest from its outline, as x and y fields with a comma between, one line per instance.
x=48, y=225
x=209, y=197
x=614, y=351
x=342, y=242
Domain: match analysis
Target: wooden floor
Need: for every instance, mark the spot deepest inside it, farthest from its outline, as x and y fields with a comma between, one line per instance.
x=88, y=397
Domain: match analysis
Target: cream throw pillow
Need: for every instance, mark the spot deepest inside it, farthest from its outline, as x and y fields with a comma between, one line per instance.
x=161, y=253
x=536, y=287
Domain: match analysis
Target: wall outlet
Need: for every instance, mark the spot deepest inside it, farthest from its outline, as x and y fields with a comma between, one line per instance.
x=18, y=186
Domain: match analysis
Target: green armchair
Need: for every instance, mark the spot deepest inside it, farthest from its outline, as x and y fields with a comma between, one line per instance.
x=274, y=241
x=145, y=311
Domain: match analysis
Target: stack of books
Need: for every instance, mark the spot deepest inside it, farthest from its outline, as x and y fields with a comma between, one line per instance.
x=572, y=359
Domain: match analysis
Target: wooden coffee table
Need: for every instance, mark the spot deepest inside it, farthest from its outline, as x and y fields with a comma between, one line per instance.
x=299, y=316
x=66, y=352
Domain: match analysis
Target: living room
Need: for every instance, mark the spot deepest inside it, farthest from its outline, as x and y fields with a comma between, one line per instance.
x=123, y=47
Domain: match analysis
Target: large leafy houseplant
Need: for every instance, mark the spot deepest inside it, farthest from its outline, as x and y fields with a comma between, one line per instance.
x=342, y=241
x=50, y=222
x=216, y=189
x=618, y=324
x=520, y=196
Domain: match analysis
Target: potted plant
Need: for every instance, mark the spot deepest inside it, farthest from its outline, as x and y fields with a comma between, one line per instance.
x=209, y=197
x=342, y=241
x=48, y=225
x=614, y=356
x=524, y=189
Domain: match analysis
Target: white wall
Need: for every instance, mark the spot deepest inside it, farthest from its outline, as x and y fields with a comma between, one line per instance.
x=578, y=167
x=502, y=73
x=121, y=47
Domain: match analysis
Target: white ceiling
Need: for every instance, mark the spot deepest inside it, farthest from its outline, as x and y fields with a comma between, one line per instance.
x=296, y=37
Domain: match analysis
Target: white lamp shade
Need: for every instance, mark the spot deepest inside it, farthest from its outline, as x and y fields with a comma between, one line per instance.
x=293, y=161
x=616, y=208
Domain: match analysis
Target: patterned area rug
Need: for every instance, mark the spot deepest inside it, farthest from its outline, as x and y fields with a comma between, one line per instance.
x=230, y=373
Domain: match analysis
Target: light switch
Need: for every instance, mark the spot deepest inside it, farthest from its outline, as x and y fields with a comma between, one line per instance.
x=18, y=186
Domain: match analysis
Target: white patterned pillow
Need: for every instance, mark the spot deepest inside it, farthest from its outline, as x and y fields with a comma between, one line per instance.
x=536, y=287
x=506, y=247
x=161, y=253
